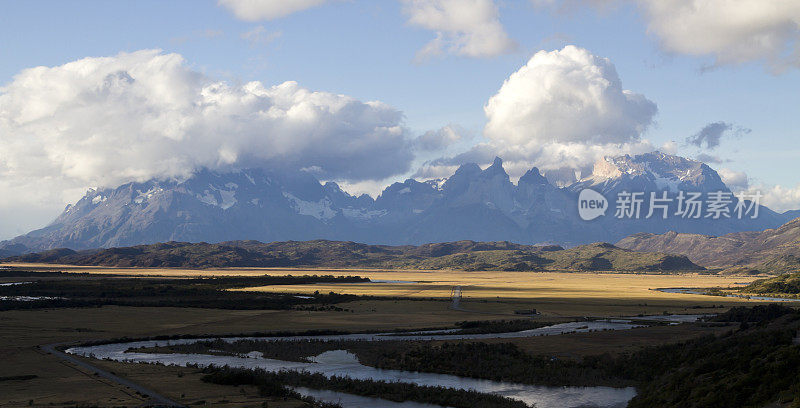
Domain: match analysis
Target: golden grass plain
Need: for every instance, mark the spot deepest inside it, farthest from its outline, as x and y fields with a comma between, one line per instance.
x=518, y=285
x=439, y=283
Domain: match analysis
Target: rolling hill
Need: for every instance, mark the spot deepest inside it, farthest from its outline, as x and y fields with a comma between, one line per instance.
x=786, y=284
x=460, y=255
x=769, y=251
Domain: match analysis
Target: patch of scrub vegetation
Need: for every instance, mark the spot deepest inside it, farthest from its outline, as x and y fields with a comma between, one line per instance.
x=271, y=383
x=268, y=385
x=301, y=350
x=492, y=326
x=492, y=361
x=786, y=284
x=498, y=326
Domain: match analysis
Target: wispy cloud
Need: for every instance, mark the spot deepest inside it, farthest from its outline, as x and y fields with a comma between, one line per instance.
x=711, y=134
x=260, y=36
x=256, y=10
x=197, y=35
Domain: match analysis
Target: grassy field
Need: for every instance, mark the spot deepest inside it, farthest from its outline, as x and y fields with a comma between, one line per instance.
x=487, y=295
x=474, y=284
x=525, y=285
x=553, y=293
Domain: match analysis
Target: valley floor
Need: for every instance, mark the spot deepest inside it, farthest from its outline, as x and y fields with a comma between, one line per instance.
x=29, y=375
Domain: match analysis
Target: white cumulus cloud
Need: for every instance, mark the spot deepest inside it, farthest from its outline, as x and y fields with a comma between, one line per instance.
x=469, y=28
x=566, y=96
x=729, y=31
x=565, y=108
x=255, y=10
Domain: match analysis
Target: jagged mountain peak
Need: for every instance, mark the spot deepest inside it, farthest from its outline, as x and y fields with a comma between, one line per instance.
x=496, y=169
x=407, y=187
x=470, y=173
x=650, y=172
x=641, y=164
x=496, y=166
x=410, y=196
x=332, y=185
x=467, y=169
x=534, y=177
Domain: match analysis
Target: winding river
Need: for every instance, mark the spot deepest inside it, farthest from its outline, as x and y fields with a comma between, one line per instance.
x=343, y=363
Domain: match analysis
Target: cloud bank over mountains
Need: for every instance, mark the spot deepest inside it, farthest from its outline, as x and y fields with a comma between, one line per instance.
x=147, y=114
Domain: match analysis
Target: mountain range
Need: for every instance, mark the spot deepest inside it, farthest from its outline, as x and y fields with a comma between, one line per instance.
x=472, y=204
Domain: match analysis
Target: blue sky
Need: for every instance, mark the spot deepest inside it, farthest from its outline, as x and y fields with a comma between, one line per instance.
x=367, y=50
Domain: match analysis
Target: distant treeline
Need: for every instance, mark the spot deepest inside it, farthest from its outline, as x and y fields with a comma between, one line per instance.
x=125, y=339
x=270, y=383
x=203, y=293
x=25, y=273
